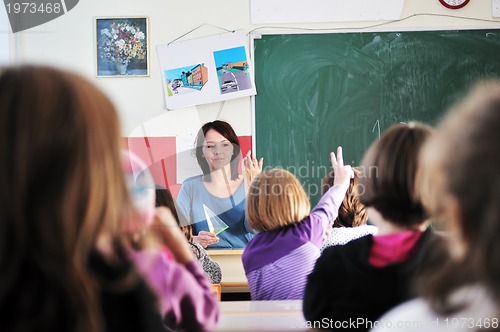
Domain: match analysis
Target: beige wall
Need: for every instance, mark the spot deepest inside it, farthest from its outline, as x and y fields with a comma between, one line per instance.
x=4, y=37
x=69, y=42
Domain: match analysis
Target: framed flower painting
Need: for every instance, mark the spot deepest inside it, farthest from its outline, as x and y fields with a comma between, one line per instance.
x=122, y=47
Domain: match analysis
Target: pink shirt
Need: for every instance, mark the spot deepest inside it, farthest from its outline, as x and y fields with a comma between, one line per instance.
x=392, y=248
x=185, y=295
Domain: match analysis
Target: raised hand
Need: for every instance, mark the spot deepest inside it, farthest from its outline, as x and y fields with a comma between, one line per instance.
x=171, y=236
x=343, y=173
x=251, y=168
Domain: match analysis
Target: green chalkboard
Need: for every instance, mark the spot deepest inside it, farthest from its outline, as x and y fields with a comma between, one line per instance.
x=318, y=91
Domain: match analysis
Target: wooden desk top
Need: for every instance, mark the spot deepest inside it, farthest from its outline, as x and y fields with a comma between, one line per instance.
x=225, y=252
x=234, y=286
x=262, y=316
x=232, y=307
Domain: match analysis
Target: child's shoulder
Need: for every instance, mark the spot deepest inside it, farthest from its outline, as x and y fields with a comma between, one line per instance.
x=352, y=247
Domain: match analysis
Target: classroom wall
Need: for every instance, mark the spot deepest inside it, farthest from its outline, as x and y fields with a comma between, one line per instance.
x=68, y=42
x=4, y=38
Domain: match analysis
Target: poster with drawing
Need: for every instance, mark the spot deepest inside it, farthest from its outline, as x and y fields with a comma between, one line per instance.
x=205, y=70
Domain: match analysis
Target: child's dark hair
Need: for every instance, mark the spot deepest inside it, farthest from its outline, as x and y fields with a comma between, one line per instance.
x=389, y=170
x=352, y=213
x=164, y=198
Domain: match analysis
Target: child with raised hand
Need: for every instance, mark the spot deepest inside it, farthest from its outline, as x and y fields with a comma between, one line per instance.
x=350, y=223
x=63, y=204
x=186, y=300
x=279, y=258
x=211, y=268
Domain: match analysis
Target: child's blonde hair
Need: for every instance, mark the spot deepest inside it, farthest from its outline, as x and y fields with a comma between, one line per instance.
x=275, y=200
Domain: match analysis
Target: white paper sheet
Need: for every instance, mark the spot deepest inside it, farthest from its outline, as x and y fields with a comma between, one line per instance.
x=318, y=11
x=206, y=70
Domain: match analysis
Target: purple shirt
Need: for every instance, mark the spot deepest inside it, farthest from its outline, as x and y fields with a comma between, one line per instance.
x=277, y=263
x=185, y=295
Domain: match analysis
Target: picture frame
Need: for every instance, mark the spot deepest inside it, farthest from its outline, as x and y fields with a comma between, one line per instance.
x=122, y=46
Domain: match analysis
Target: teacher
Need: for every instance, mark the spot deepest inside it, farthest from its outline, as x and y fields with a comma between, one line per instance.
x=221, y=190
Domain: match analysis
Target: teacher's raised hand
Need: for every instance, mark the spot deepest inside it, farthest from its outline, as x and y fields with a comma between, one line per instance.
x=251, y=168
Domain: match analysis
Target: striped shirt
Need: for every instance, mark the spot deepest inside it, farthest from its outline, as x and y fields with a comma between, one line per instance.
x=277, y=263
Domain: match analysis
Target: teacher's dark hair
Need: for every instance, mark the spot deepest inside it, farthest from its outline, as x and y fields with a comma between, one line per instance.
x=225, y=130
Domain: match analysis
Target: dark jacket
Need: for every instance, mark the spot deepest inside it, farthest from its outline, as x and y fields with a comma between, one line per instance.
x=345, y=290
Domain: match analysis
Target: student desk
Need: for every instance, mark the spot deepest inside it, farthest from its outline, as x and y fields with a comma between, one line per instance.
x=233, y=274
x=262, y=316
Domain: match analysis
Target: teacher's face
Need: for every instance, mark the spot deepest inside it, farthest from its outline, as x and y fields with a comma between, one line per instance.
x=217, y=150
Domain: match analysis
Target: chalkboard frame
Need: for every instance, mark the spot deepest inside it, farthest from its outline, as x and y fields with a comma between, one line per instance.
x=314, y=164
